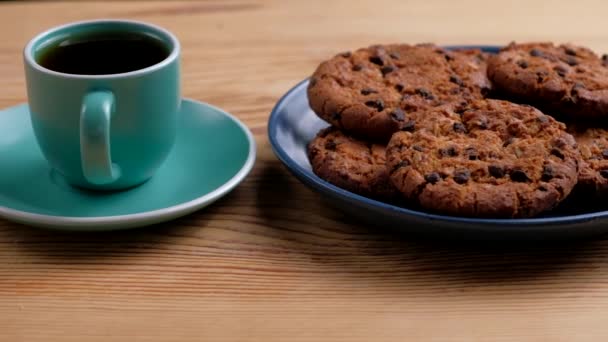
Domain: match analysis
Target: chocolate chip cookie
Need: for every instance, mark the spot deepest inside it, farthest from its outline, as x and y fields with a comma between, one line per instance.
x=564, y=79
x=366, y=92
x=593, y=146
x=351, y=164
x=504, y=160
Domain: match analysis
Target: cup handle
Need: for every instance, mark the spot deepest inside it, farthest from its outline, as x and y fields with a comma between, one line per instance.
x=95, y=114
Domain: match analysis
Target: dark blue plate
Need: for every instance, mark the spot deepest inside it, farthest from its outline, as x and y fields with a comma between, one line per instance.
x=293, y=124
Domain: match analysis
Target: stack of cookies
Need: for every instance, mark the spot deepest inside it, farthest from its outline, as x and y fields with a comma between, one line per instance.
x=462, y=132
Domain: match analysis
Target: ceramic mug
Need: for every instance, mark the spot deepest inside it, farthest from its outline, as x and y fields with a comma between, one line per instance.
x=104, y=131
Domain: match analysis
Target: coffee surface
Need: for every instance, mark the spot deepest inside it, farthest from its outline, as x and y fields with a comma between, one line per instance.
x=103, y=54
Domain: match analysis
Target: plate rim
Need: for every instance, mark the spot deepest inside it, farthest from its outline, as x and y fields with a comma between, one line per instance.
x=111, y=222
x=321, y=185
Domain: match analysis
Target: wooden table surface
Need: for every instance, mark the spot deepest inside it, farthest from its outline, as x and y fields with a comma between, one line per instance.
x=270, y=262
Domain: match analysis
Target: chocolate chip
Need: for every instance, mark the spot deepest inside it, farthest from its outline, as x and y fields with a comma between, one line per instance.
x=508, y=142
x=482, y=123
x=540, y=76
x=460, y=110
x=376, y=60
x=459, y=128
x=557, y=153
x=605, y=57
x=452, y=152
x=313, y=82
x=522, y=64
x=496, y=171
x=604, y=173
x=418, y=148
x=471, y=152
x=448, y=152
x=560, y=70
x=559, y=143
x=336, y=116
x=403, y=163
x=570, y=51
x=519, y=175
x=399, y=87
x=387, y=69
x=377, y=104
x=455, y=79
x=605, y=153
x=357, y=67
x=432, y=177
x=571, y=61
x=397, y=115
x=409, y=126
x=542, y=188
x=368, y=91
x=536, y=53
x=330, y=145
x=448, y=57
x=576, y=87
x=394, y=55
x=543, y=119
x=346, y=54
x=547, y=174
x=424, y=93
x=462, y=176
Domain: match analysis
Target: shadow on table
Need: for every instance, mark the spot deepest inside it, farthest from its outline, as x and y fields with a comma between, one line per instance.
x=286, y=221
x=344, y=247
x=76, y=247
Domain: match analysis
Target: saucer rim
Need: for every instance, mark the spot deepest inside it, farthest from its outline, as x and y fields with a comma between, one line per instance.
x=97, y=223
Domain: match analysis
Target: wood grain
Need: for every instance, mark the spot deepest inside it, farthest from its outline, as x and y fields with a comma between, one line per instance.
x=272, y=261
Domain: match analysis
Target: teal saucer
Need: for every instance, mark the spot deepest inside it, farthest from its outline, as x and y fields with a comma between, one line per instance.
x=212, y=154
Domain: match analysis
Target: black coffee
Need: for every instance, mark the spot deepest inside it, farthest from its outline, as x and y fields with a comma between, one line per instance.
x=102, y=54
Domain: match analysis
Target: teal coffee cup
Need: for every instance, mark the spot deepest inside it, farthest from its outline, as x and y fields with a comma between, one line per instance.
x=104, y=96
